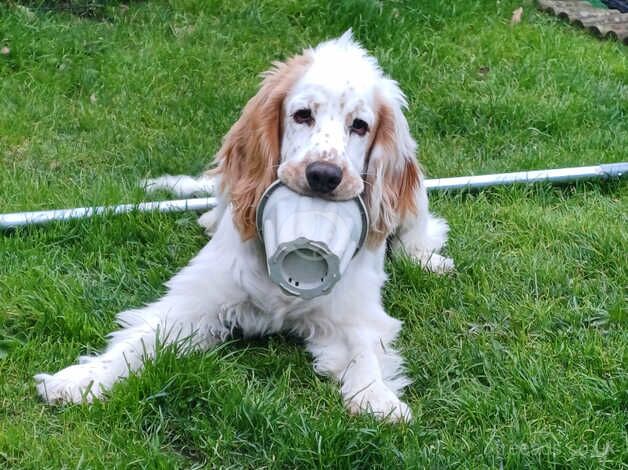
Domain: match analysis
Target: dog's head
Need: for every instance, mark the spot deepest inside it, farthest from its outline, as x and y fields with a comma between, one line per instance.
x=327, y=123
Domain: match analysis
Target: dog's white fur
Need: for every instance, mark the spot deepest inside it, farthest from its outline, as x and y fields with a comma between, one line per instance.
x=226, y=285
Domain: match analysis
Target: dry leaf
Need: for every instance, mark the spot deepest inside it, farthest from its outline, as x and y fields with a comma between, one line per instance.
x=516, y=16
x=93, y=98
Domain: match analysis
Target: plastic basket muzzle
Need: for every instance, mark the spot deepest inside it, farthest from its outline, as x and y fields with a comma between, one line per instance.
x=309, y=241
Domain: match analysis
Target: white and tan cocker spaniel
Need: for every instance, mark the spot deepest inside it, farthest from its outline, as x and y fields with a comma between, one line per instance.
x=327, y=123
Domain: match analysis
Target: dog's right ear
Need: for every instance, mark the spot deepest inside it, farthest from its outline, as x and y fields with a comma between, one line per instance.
x=250, y=153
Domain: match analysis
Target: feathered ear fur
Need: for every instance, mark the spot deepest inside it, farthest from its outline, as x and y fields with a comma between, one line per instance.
x=393, y=174
x=250, y=153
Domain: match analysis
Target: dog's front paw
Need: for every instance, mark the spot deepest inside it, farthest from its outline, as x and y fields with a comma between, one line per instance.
x=435, y=263
x=81, y=383
x=429, y=260
x=381, y=402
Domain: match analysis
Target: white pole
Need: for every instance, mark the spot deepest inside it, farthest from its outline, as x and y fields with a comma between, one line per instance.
x=19, y=219
x=561, y=175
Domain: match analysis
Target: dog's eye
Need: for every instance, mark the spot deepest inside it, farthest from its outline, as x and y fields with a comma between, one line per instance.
x=359, y=127
x=303, y=116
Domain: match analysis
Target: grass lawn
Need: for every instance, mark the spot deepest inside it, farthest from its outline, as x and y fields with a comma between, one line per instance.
x=518, y=360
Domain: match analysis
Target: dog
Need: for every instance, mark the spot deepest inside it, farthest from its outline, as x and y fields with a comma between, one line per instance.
x=327, y=123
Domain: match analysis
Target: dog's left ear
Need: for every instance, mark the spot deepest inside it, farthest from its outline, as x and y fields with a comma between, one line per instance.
x=250, y=153
x=392, y=174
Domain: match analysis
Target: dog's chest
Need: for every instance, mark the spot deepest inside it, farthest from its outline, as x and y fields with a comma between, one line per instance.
x=252, y=276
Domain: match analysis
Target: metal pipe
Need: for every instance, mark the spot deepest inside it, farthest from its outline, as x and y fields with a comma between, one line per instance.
x=561, y=175
x=19, y=219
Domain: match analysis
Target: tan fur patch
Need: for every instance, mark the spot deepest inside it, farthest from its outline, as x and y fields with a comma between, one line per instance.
x=391, y=181
x=250, y=153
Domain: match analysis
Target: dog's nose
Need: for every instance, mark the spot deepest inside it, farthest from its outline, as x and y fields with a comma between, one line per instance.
x=323, y=177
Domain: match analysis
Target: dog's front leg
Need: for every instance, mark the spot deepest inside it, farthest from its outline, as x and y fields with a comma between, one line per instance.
x=188, y=316
x=422, y=235
x=358, y=353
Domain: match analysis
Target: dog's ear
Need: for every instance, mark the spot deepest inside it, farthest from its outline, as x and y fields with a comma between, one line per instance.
x=250, y=153
x=392, y=174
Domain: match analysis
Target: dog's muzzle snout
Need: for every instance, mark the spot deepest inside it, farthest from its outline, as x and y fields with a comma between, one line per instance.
x=323, y=177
